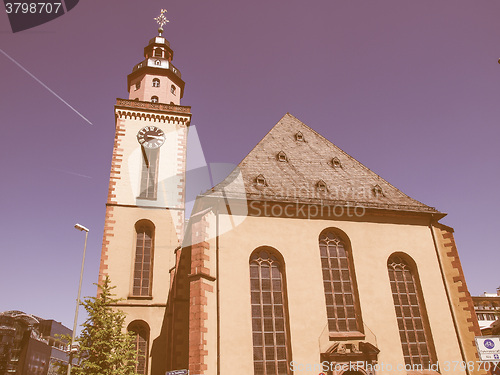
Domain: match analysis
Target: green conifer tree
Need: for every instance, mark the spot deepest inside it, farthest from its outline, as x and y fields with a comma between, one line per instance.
x=104, y=348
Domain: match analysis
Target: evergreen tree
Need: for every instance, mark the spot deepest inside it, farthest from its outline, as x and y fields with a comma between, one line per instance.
x=104, y=348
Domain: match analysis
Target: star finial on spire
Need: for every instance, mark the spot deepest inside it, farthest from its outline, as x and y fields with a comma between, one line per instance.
x=161, y=20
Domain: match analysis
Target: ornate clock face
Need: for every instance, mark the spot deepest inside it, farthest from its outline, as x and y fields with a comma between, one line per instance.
x=151, y=137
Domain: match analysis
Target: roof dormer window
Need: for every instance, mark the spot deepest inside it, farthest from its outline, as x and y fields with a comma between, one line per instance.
x=281, y=156
x=377, y=191
x=321, y=186
x=260, y=180
x=157, y=62
x=299, y=137
x=336, y=162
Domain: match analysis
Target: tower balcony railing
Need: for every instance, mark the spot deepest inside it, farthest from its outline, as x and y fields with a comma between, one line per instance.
x=158, y=63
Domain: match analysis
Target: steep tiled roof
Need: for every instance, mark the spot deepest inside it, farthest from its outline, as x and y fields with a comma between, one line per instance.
x=294, y=163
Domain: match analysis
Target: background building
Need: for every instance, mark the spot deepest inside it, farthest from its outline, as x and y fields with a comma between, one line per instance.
x=26, y=351
x=7, y=334
x=28, y=344
x=52, y=331
x=487, y=307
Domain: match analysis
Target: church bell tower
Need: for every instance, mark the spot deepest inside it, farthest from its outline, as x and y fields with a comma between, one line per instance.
x=144, y=220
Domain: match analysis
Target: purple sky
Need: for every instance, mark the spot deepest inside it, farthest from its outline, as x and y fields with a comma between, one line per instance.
x=409, y=88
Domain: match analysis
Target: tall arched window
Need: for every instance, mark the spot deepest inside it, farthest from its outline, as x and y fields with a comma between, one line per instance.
x=271, y=350
x=143, y=265
x=156, y=82
x=414, y=332
x=140, y=330
x=342, y=308
x=154, y=99
x=172, y=89
x=158, y=52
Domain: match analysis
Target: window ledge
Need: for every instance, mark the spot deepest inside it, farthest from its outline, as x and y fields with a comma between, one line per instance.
x=353, y=335
x=140, y=297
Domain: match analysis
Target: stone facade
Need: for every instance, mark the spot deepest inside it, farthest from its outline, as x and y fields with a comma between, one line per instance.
x=142, y=278
x=200, y=311
x=386, y=223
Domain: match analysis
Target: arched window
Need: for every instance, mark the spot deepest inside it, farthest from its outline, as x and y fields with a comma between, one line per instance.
x=158, y=52
x=154, y=99
x=342, y=307
x=271, y=350
x=414, y=332
x=156, y=82
x=143, y=264
x=140, y=330
x=172, y=89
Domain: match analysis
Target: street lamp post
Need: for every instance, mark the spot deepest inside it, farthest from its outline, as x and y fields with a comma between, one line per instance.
x=70, y=362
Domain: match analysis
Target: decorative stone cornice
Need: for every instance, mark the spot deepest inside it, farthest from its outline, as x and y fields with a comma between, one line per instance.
x=157, y=107
x=155, y=112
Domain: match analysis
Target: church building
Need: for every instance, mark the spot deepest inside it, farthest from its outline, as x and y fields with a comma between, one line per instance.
x=302, y=261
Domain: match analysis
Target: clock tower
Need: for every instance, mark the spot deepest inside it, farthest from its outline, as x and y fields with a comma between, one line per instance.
x=144, y=221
